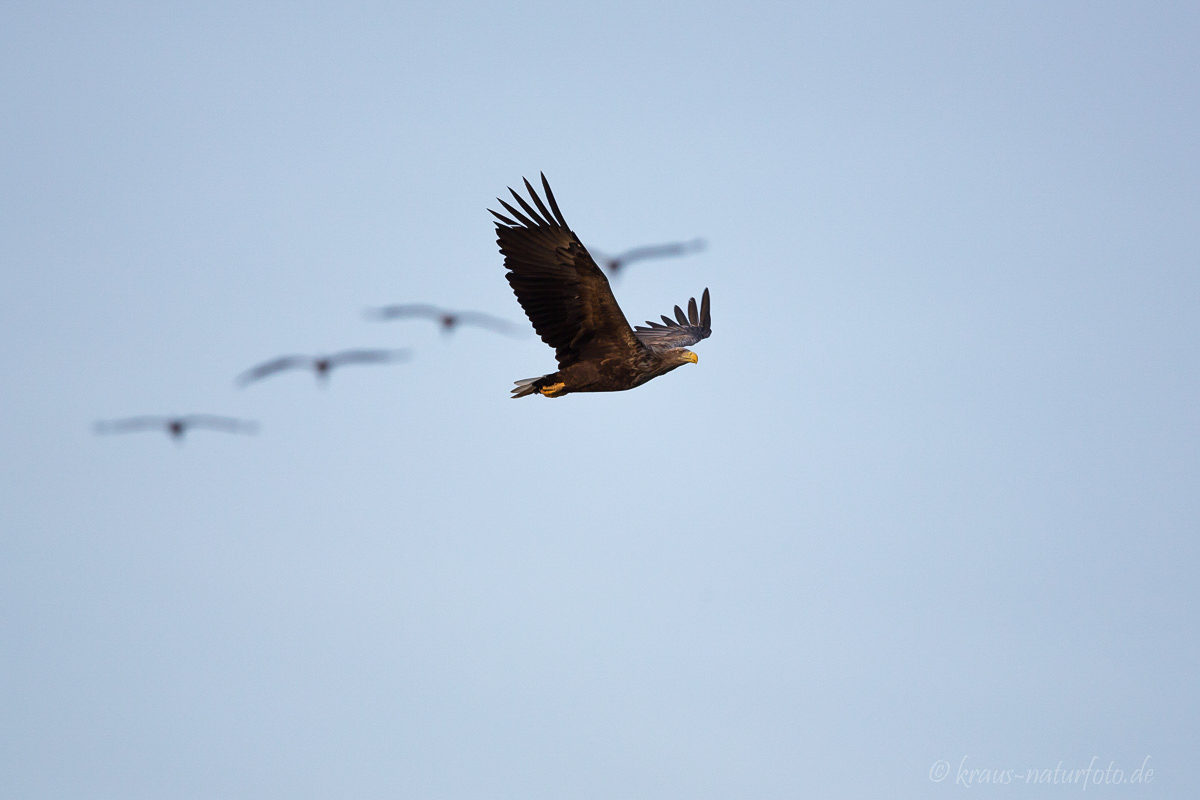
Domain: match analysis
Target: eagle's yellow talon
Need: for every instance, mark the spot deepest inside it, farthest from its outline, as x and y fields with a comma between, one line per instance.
x=553, y=389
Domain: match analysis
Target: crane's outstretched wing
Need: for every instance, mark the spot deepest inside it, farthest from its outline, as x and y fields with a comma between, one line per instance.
x=482, y=320
x=273, y=366
x=216, y=423
x=563, y=292
x=403, y=310
x=132, y=424
x=682, y=331
x=363, y=356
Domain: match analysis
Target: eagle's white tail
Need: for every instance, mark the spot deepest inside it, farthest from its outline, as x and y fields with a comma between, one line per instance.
x=525, y=387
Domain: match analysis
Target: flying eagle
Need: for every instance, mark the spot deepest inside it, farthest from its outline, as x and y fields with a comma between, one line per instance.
x=320, y=365
x=614, y=263
x=572, y=308
x=176, y=427
x=448, y=320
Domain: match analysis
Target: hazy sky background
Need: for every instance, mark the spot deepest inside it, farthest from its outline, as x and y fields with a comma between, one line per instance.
x=930, y=493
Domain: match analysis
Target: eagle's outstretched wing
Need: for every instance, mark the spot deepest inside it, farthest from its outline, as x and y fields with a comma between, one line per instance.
x=563, y=292
x=682, y=331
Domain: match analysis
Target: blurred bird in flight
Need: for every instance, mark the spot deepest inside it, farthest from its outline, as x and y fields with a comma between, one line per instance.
x=321, y=366
x=614, y=263
x=447, y=319
x=176, y=427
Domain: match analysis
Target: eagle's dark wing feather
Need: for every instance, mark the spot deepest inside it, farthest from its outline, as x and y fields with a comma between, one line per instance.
x=684, y=330
x=563, y=292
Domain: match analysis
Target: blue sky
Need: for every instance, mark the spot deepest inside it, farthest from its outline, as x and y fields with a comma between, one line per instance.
x=929, y=494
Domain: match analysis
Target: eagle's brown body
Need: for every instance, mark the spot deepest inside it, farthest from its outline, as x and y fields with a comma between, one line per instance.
x=572, y=308
x=608, y=375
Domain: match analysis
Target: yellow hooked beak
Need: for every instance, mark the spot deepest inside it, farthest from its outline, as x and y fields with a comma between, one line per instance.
x=692, y=357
